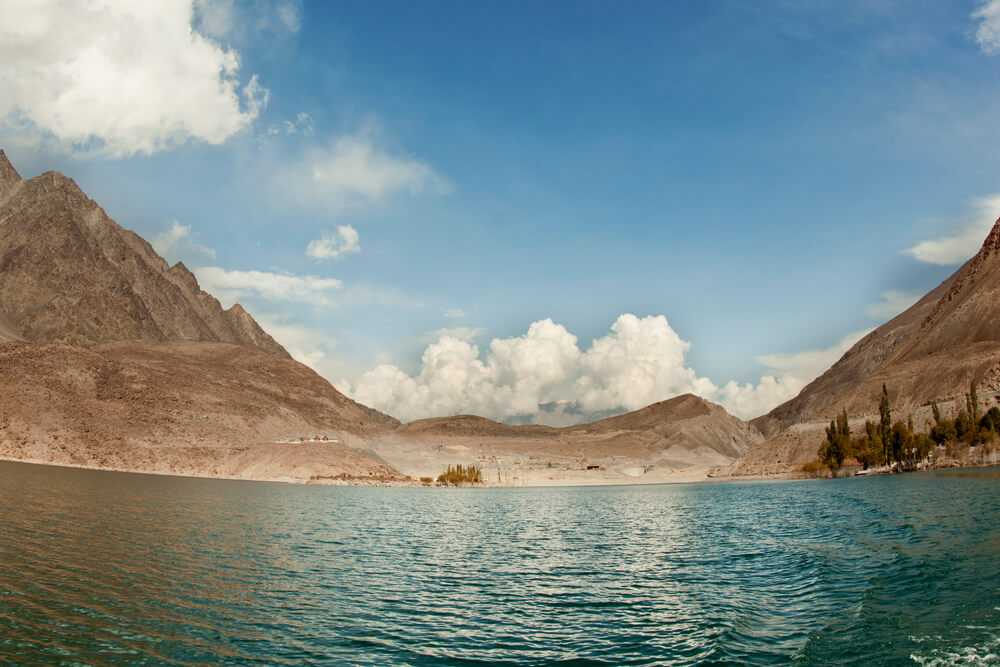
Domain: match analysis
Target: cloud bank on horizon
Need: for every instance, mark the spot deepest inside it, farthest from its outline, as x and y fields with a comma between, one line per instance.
x=640, y=362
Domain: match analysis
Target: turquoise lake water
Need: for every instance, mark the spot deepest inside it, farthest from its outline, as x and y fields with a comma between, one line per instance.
x=111, y=568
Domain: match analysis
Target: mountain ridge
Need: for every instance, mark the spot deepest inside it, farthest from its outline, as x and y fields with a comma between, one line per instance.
x=120, y=289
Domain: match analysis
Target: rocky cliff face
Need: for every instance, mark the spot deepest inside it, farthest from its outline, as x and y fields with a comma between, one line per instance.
x=68, y=272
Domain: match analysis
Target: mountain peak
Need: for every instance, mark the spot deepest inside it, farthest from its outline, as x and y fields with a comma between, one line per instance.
x=72, y=273
x=8, y=175
x=992, y=243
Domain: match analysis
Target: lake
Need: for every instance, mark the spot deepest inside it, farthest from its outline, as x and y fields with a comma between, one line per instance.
x=116, y=568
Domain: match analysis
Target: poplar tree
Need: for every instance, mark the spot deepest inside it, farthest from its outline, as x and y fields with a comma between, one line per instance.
x=837, y=445
x=885, y=427
x=972, y=402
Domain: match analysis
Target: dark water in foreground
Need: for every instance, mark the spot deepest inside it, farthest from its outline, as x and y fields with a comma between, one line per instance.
x=109, y=568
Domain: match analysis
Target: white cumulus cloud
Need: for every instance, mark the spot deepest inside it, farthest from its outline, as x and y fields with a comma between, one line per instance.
x=518, y=374
x=639, y=362
x=118, y=77
x=965, y=241
x=230, y=286
x=988, y=29
x=333, y=245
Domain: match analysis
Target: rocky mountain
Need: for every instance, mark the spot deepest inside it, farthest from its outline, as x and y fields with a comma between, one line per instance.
x=68, y=272
x=932, y=351
x=109, y=357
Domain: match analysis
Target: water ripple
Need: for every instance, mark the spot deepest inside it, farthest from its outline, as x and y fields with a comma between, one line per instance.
x=107, y=568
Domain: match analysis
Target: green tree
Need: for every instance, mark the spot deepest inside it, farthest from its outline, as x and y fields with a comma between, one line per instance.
x=837, y=445
x=964, y=425
x=868, y=448
x=991, y=420
x=944, y=431
x=972, y=402
x=923, y=445
x=885, y=423
x=901, y=441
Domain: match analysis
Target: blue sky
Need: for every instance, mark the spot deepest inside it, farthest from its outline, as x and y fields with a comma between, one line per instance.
x=532, y=211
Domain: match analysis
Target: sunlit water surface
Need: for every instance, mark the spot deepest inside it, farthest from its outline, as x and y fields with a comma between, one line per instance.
x=109, y=568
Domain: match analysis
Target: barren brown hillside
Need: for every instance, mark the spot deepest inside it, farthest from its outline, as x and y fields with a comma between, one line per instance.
x=111, y=358
x=932, y=351
x=182, y=408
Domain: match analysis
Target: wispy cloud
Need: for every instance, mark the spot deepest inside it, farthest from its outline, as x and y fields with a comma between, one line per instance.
x=786, y=375
x=965, y=241
x=303, y=124
x=230, y=286
x=258, y=21
x=352, y=170
x=119, y=78
x=454, y=312
x=172, y=241
x=987, y=18
x=333, y=245
x=290, y=16
x=461, y=333
x=892, y=303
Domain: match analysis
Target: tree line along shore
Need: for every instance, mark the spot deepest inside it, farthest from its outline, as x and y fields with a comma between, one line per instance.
x=896, y=446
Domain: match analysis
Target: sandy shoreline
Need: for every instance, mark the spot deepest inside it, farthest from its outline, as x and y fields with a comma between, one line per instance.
x=575, y=481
